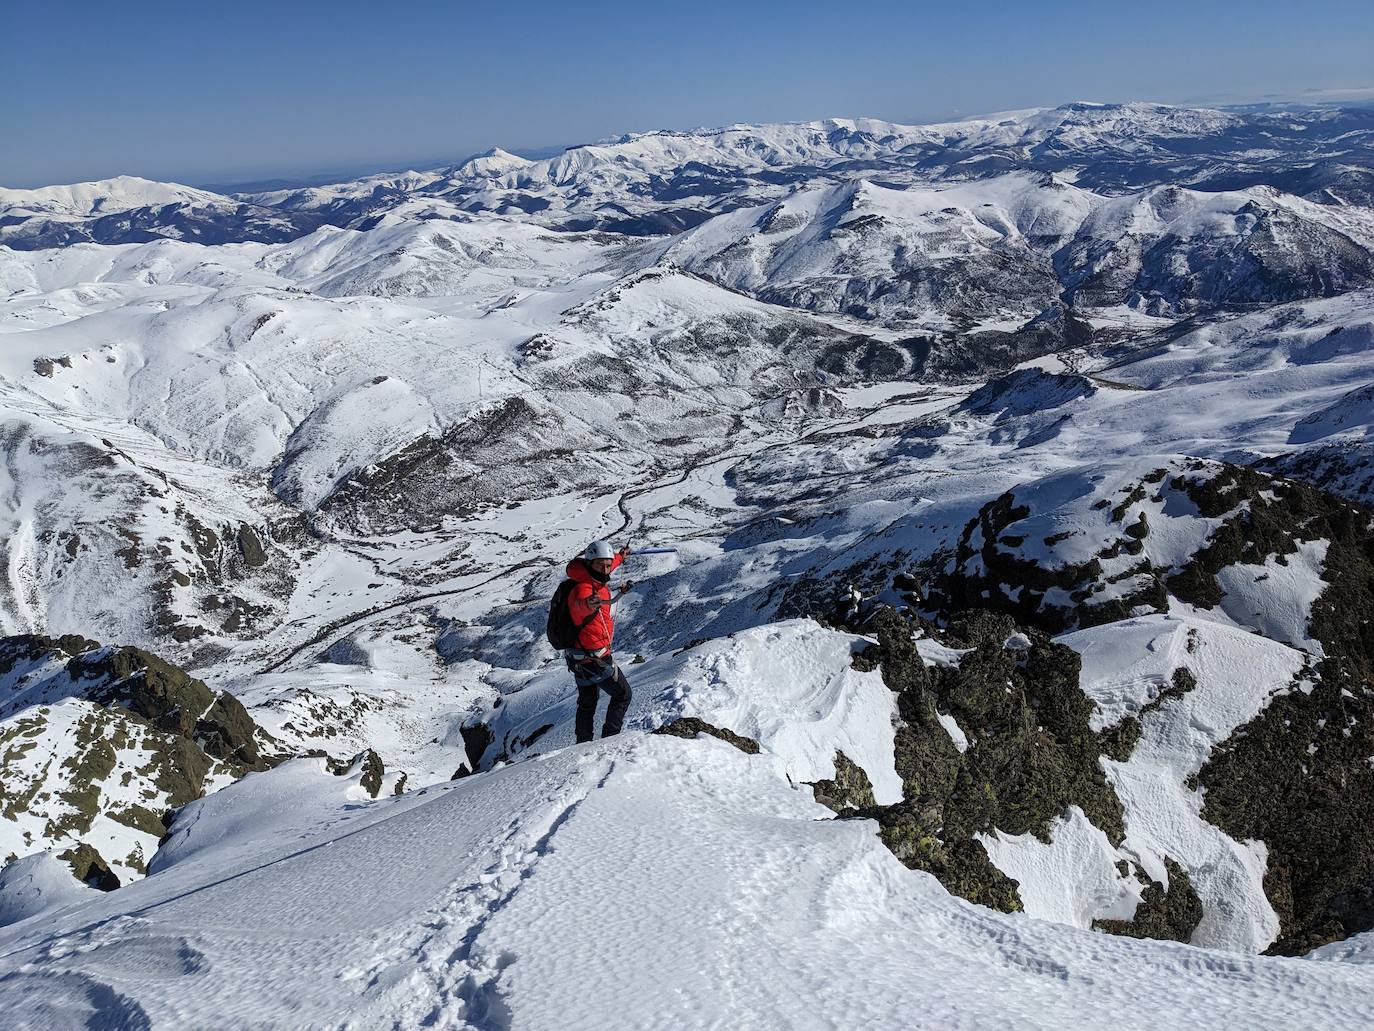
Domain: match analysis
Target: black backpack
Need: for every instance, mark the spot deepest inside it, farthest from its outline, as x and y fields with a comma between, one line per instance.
x=561, y=631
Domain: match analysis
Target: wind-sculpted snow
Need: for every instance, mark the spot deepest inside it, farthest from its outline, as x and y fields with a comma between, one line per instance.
x=789, y=686
x=1131, y=669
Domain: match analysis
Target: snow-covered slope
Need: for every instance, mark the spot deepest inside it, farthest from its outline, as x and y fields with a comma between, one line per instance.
x=108, y=195
x=955, y=432
x=789, y=686
x=1007, y=247
x=542, y=893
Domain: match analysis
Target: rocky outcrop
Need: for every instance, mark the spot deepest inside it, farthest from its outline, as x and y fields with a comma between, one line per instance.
x=99, y=744
x=1028, y=753
x=368, y=768
x=1169, y=913
x=89, y=867
x=849, y=789
x=1281, y=558
x=1298, y=778
x=691, y=727
x=1093, y=545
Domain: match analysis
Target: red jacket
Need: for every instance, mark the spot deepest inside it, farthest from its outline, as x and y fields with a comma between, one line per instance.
x=590, y=602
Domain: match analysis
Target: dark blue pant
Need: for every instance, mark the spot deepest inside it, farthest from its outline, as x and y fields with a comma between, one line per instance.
x=590, y=683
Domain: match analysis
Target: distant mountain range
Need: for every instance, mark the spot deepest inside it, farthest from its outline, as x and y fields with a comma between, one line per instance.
x=661, y=182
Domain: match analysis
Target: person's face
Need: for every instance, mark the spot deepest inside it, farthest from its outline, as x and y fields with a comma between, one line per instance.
x=602, y=566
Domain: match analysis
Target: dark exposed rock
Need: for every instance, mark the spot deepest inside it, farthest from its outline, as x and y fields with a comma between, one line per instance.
x=170, y=700
x=987, y=547
x=368, y=764
x=1297, y=777
x=476, y=739
x=1101, y=570
x=1169, y=915
x=691, y=727
x=1344, y=467
x=134, y=712
x=89, y=866
x=47, y=366
x=1119, y=741
x=250, y=547
x=1031, y=755
x=850, y=788
x=961, y=865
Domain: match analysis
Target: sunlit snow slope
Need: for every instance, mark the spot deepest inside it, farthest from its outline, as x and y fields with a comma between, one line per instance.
x=642, y=882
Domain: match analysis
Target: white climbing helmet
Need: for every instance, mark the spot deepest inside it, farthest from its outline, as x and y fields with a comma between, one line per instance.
x=598, y=549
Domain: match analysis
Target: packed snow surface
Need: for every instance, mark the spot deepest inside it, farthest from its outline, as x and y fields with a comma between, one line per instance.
x=1071, y=880
x=542, y=895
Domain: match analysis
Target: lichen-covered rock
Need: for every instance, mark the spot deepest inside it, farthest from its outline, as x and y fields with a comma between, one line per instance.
x=98, y=744
x=1298, y=778
x=1169, y=914
x=850, y=788
x=1288, y=561
x=1096, y=544
x=1032, y=752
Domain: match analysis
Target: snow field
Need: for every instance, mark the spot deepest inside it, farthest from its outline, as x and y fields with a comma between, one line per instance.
x=674, y=884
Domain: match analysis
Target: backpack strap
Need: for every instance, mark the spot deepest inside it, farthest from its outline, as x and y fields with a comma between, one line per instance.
x=577, y=630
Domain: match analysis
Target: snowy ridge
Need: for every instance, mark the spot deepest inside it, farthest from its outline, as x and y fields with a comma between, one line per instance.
x=664, y=181
x=104, y=196
x=789, y=686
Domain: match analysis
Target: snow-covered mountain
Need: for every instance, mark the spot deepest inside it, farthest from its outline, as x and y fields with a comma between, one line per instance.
x=1016, y=470
x=127, y=208
x=658, y=183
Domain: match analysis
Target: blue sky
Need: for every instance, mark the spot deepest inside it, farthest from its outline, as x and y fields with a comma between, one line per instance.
x=220, y=93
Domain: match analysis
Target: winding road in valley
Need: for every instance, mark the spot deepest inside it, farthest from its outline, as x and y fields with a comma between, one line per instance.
x=922, y=401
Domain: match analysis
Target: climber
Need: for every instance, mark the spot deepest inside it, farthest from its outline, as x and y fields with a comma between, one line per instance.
x=581, y=623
